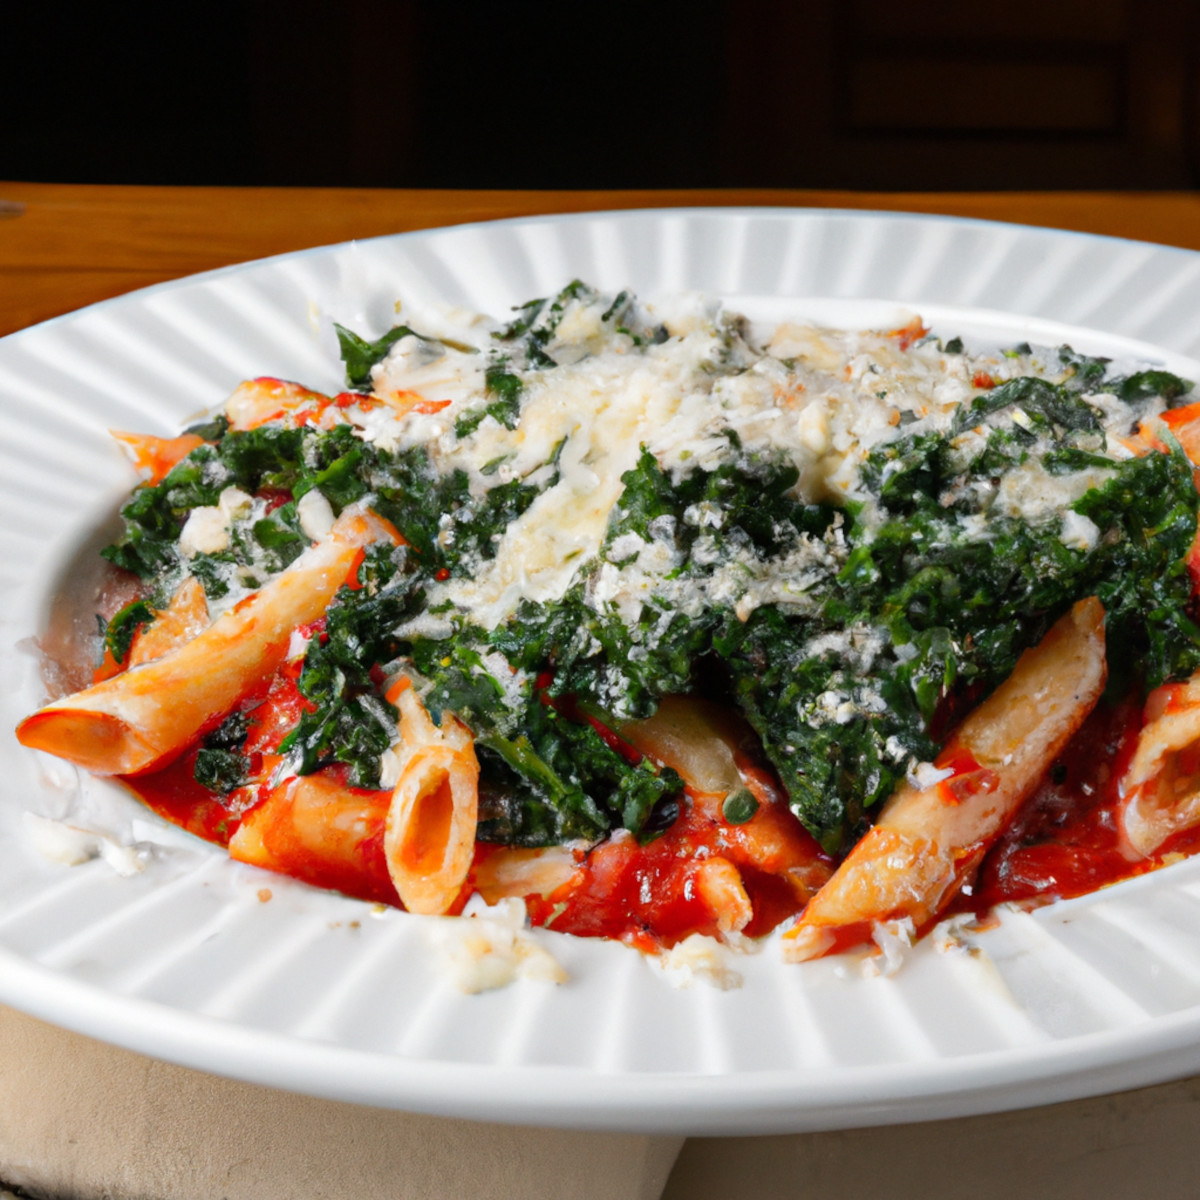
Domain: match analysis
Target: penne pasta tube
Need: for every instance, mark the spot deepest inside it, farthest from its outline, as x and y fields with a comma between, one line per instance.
x=695, y=737
x=184, y=617
x=929, y=839
x=504, y=871
x=316, y=829
x=153, y=457
x=720, y=886
x=145, y=717
x=430, y=833
x=177, y=624
x=1160, y=790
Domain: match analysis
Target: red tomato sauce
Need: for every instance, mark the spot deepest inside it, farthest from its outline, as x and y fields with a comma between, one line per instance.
x=354, y=867
x=175, y=795
x=1064, y=842
x=647, y=895
x=278, y=713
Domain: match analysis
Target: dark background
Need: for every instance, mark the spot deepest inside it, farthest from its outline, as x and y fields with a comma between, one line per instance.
x=872, y=94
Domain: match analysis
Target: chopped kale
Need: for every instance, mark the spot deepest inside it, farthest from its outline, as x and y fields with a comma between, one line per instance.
x=220, y=771
x=1048, y=406
x=214, y=572
x=538, y=321
x=220, y=764
x=280, y=536
x=937, y=611
x=1146, y=515
x=212, y=430
x=351, y=723
x=155, y=514
x=270, y=459
x=1085, y=373
x=360, y=356
x=121, y=629
x=1147, y=384
x=438, y=516
x=411, y=494
x=564, y=782
x=506, y=388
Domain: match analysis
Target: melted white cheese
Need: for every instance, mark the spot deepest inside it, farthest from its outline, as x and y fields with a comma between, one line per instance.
x=823, y=398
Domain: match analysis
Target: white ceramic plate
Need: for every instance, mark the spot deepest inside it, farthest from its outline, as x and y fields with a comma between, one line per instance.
x=317, y=993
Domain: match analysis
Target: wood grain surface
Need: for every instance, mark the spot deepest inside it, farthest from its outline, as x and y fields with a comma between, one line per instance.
x=63, y=245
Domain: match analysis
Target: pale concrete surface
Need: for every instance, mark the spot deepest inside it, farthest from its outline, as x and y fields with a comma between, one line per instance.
x=1130, y=1146
x=80, y=1120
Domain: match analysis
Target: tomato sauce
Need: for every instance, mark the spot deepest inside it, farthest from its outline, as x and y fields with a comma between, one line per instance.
x=1064, y=842
x=175, y=795
x=648, y=895
x=278, y=713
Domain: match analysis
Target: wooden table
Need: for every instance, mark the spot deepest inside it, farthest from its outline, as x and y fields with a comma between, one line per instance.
x=63, y=246
x=84, y=1119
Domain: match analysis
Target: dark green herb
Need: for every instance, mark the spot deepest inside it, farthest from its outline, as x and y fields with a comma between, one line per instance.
x=270, y=458
x=351, y=723
x=1049, y=406
x=213, y=572
x=1085, y=373
x=220, y=765
x=120, y=631
x=280, y=536
x=360, y=356
x=212, y=430
x=739, y=807
x=1147, y=384
x=506, y=388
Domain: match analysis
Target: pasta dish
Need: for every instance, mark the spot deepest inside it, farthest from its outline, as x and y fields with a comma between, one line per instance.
x=666, y=625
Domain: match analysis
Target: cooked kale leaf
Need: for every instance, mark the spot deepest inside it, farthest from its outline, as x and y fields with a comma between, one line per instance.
x=360, y=355
x=1046, y=406
x=220, y=765
x=120, y=631
x=350, y=722
x=850, y=637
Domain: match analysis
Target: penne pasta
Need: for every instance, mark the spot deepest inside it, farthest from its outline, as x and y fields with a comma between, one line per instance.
x=124, y=725
x=316, y=829
x=928, y=840
x=501, y=872
x=429, y=836
x=690, y=607
x=258, y=401
x=695, y=737
x=720, y=886
x=182, y=619
x=1160, y=789
x=703, y=742
x=153, y=457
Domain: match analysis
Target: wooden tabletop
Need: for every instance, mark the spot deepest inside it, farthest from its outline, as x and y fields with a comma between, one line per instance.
x=66, y=245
